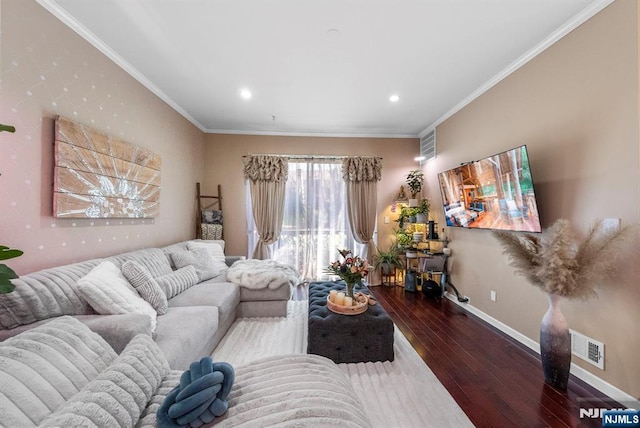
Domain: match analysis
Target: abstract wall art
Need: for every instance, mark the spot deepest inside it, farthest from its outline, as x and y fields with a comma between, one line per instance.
x=98, y=176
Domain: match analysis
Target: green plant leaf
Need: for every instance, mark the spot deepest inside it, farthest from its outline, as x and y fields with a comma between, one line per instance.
x=9, y=253
x=7, y=128
x=6, y=275
x=6, y=287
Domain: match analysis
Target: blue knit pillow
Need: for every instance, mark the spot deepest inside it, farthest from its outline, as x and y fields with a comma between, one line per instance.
x=200, y=397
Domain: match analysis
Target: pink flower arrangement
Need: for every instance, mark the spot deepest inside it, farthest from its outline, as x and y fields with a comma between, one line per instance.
x=351, y=270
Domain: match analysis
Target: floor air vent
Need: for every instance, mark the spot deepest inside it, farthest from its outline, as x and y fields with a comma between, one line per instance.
x=588, y=349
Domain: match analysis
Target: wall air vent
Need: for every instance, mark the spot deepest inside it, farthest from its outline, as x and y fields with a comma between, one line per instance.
x=588, y=349
x=428, y=146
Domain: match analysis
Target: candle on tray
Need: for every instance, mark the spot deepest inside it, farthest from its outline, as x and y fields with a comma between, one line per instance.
x=348, y=301
x=339, y=299
x=332, y=295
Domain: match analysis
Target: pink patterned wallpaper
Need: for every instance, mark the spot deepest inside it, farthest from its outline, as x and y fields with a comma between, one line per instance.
x=48, y=70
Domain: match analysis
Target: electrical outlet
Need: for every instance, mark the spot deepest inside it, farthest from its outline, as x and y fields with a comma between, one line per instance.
x=493, y=296
x=386, y=219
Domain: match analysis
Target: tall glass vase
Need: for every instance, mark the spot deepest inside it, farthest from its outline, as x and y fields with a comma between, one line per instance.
x=555, y=345
x=350, y=287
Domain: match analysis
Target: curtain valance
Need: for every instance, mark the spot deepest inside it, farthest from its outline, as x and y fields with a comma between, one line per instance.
x=361, y=168
x=266, y=168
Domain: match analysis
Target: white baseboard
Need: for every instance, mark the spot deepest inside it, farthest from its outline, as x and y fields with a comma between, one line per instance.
x=582, y=374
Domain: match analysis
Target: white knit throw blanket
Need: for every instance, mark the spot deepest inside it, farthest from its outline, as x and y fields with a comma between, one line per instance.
x=258, y=274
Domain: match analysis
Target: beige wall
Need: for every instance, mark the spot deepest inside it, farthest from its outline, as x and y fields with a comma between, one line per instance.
x=49, y=70
x=224, y=166
x=575, y=106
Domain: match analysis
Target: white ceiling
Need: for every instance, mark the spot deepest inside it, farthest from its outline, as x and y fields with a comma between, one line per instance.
x=323, y=67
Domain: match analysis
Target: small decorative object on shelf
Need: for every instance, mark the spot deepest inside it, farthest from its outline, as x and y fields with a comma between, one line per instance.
x=432, y=230
x=351, y=270
x=401, y=199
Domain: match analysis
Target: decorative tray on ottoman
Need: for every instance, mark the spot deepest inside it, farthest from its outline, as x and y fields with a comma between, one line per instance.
x=358, y=307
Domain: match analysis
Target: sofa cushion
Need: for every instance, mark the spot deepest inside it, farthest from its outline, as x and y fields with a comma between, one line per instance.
x=215, y=250
x=153, y=259
x=42, y=368
x=186, y=334
x=224, y=295
x=118, y=395
x=177, y=281
x=118, y=330
x=141, y=279
x=283, y=391
x=109, y=292
x=199, y=258
x=261, y=294
x=45, y=294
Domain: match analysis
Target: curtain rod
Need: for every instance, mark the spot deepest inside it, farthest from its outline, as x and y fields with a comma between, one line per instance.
x=323, y=157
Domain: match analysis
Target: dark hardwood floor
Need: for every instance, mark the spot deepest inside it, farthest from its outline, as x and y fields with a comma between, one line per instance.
x=497, y=381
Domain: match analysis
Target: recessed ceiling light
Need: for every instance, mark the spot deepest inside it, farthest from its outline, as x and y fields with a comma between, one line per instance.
x=333, y=33
x=246, y=94
x=394, y=98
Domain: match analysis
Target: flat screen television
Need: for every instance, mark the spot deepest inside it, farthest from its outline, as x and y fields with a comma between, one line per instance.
x=492, y=193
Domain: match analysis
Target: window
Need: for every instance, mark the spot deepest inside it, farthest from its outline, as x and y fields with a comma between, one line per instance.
x=315, y=222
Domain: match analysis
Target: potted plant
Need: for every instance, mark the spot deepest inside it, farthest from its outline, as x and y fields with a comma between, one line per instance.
x=403, y=238
x=422, y=211
x=407, y=215
x=415, y=180
x=389, y=260
x=564, y=267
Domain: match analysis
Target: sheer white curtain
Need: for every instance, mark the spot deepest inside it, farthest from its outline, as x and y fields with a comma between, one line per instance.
x=315, y=222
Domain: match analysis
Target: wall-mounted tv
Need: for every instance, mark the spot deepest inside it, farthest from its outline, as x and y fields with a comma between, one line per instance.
x=492, y=193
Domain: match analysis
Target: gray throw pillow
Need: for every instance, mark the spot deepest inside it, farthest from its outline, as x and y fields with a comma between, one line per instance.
x=120, y=393
x=200, y=259
x=176, y=282
x=141, y=279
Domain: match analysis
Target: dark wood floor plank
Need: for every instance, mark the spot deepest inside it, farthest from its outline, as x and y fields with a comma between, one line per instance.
x=495, y=379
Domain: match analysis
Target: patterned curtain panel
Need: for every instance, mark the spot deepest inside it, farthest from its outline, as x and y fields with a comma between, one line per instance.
x=267, y=177
x=360, y=169
x=361, y=175
x=266, y=168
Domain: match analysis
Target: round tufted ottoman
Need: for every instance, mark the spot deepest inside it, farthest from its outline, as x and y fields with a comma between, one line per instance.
x=347, y=338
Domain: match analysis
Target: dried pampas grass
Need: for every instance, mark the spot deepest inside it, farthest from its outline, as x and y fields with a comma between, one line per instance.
x=558, y=264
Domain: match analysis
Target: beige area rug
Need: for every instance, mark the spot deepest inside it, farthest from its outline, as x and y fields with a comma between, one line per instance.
x=403, y=393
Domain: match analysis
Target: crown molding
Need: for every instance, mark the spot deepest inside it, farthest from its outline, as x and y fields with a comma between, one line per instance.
x=579, y=19
x=308, y=134
x=59, y=12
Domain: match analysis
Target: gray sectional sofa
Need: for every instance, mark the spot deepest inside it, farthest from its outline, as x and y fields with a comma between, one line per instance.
x=196, y=320
x=61, y=374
